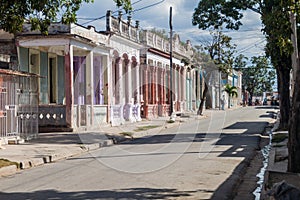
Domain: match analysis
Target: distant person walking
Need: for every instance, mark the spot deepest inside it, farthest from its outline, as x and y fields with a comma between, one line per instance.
x=223, y=102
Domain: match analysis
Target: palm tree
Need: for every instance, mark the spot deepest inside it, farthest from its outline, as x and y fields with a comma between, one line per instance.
x=231, y=91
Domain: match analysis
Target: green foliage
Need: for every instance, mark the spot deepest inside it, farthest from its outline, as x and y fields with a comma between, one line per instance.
x=125, y=4
x=145, y=128
x=40, y=13
x=240, y=61
x=231, y=90
x=221, y=51
x=277, y=28
x=259, y=77
x=219, y=13
x=5, y=163
x=279, y=137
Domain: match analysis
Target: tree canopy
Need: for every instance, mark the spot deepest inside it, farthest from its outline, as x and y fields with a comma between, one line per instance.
x=259, y=77
x=221, y=50
x=41, y=13
x=125, y=4
x=220, y=13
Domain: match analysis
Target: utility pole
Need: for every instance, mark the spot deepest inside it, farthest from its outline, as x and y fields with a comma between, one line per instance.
x=171, y=64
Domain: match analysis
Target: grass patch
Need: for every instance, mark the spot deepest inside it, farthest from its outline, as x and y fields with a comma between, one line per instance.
x=280, y=137
x=5, y=163
x=278, y=145
x=126, y=134
x=144, y=128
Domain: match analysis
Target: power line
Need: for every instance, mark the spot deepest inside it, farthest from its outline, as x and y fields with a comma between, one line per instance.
x=251, y=46
x=149, y=6
x=136, y=10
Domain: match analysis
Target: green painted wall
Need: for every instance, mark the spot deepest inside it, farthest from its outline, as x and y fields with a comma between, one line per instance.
x=44, y=78
x=61, y=78
x=24, y=59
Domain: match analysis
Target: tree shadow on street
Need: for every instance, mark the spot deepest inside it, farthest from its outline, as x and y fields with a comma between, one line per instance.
x=130, y=193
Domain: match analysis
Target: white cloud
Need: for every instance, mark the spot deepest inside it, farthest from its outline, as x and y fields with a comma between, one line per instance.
x=249, y=38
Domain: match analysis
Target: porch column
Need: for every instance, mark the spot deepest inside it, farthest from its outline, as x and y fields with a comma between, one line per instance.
x=155, y=77
x=182, y=84
x=152, y=82
x=121, y=89
x=184, y=75
x=89, y=86
x=179, y=79
x=173, y=89
x=118, y=81
x=108, y=74
x=128, y=106
x=69, y=98
x=129, y=81
x=137, y=84
x=159, y=86
x=125, y=82
x=163, y=84
x=194, y=82
x=137, y=91
x=121, y=80
x=145, y=91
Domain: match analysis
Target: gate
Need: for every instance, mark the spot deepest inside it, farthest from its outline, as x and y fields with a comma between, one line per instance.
x=18, y=105
x=3, y=113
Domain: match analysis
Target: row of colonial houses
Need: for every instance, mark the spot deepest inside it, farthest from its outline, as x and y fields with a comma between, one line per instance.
x=79, y=78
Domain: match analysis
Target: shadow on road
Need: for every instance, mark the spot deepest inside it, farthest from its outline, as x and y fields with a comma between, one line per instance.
x=130, y=193
x=69, y=138
x=167, y=138
x=267, y=107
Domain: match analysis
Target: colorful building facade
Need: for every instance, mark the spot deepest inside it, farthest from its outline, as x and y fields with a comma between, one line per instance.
x=89, y=78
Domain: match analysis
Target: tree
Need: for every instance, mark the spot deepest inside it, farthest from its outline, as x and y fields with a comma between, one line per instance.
x=294, y=126
x=275, y=15
x=278, y=32
x=259, y=77
x=41, y=13
x=231, y=91
x=208, y=66
x=220, y=51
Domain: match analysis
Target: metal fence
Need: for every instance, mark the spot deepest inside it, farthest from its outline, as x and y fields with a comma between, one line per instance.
x=18, y=105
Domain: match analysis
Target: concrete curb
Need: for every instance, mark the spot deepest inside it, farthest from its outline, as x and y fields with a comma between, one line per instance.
x=229, y=190
x=8, y=170
x=33, y=162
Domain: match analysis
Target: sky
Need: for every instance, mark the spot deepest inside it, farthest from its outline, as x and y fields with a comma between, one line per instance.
x=155, y=14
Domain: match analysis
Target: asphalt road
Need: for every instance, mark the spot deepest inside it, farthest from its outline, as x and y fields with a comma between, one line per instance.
x=200, y=159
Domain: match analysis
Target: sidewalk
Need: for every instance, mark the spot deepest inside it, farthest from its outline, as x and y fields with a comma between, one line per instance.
x=278, y=163
x=51, y=147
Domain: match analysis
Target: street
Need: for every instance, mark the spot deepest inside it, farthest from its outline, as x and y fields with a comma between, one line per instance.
x=200, y=159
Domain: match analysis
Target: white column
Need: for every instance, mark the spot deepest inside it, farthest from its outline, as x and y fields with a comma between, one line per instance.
x=89, y=79
x=129, y=83
x=184, y=74
x=138, y=85
x=89, y=88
